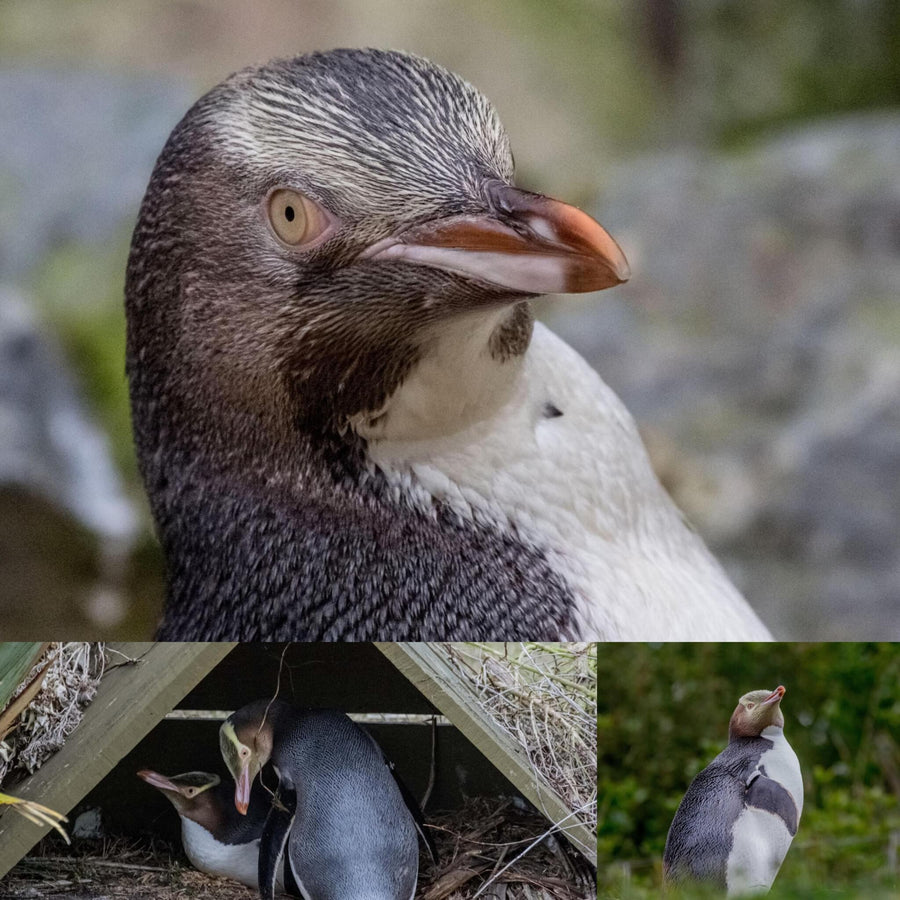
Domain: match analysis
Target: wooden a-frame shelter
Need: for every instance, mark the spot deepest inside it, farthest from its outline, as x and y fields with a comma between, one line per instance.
x=132, y=699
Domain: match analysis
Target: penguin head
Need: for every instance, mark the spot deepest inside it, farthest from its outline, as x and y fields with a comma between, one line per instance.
x=187, y=792
x=755, y=712
x=312, y=222
x=246, y=739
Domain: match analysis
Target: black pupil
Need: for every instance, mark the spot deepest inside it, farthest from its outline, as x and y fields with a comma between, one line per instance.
x=289, y=213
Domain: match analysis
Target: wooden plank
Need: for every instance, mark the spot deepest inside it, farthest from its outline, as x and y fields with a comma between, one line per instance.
x=16, y=660
x=130, y=701
x=424, y=665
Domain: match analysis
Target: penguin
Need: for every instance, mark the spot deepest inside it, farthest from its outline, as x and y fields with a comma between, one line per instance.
x=345, y=824
x=216, y=838
x=348, y=423
x=736, y=822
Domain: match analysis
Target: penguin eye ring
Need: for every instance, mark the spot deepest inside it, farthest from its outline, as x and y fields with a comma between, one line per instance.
x=296, y=220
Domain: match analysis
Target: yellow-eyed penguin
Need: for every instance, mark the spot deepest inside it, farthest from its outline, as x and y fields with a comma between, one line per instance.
x=217, y=839
x=345, y=823
x=347, y=421
x=740, y=814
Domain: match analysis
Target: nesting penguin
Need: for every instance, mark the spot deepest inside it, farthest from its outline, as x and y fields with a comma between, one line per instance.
x=736, y=822
x=217, y=839
x=345, y=824
x=348, y=423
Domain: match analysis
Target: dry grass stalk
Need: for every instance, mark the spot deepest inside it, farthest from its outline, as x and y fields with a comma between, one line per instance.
x=73, y=672
x=477, y=841
x=474, y=843
x=544, y=696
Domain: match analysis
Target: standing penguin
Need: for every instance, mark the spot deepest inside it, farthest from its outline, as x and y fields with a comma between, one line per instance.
x=345, y=824
x=348, y=423
x=740, y=814
x=216, y=838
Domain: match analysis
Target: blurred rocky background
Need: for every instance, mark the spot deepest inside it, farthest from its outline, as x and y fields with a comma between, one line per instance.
x=746, y=156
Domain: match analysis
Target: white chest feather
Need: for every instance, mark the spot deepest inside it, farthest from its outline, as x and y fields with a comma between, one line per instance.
x=761, y=839
x=781, y=765
x=760, y=844
x=577, y=485
x=237, y=861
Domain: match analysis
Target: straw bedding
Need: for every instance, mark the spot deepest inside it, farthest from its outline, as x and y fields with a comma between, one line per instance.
x=474, y=843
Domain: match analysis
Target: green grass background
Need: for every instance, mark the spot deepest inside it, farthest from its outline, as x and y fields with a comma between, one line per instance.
x=663, y=715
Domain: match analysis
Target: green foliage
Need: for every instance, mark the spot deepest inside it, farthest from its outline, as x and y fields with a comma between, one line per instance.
x=720, y=72
x=16, y=659
x=663, y=715
x=79, y=288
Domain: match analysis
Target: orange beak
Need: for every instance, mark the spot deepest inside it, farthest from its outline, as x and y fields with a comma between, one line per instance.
x=776, y=695
x=157, y=780
x=527, y=243
x=242, y=791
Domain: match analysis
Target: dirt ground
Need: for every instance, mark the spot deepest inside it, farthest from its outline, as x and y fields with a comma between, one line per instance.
x=470, y=854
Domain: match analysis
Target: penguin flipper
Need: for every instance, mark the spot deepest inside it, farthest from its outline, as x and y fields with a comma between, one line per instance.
x=275, y=835
x=766, y=793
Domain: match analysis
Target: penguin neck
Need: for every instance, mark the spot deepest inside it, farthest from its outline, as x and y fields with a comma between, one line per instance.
x=207, y=816
x=773, y=733
x=277, y=733
x=467, y=370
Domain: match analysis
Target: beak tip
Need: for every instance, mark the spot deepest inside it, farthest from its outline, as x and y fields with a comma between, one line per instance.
x=618, y=263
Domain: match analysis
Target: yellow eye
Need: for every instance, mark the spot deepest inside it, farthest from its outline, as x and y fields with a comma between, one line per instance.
x=296, y=219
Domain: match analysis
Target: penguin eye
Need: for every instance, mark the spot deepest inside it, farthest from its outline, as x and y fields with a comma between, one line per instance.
x=750, y=705
x=295, y=219
x=191, y=792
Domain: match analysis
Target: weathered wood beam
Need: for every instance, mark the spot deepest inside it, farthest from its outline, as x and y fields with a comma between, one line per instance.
x=131, y=699
x=426, y=667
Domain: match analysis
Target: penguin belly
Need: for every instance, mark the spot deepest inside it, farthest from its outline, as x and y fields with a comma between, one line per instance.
x=765, y=828
x=237, y=861
x=760, y=841
x=561, y=465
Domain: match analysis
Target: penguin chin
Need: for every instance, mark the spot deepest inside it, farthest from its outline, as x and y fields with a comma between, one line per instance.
x=466, y=371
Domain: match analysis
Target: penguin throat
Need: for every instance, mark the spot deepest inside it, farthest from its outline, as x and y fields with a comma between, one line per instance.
x=740, y=727
x=466, y=371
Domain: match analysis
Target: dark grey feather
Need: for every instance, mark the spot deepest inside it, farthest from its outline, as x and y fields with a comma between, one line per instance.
x=700, y=836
